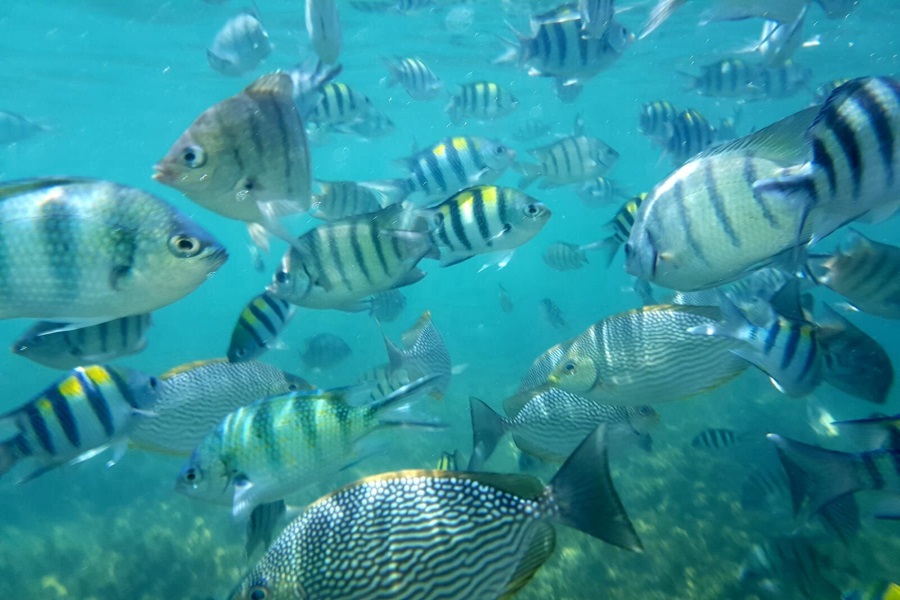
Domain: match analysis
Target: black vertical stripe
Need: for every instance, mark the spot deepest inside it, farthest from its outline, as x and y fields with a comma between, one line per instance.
x=419, y=174
x=456, y=164
x=479, y=214
x=260, y=343
x=286, y=132
x=456, y=223
x=772, y=336
x=435, y=169
x=751, y=176
x=356, y=233
x=718, y=203
x=339, y=91
x=790, y=347
x=846, y=138
x=58, y=229
x=811, y=356
x=39, y=427
x=334, y=250
x=63, y=413
x=98, y=402
x=686, y=225
x=441, y=231
x=262, y=317
x=881, y=128
x=502, y=206
x=314, y=253
x=475, y=155
x=379, y=250
x=822, y=158
x=560, y=43
x=276, y=305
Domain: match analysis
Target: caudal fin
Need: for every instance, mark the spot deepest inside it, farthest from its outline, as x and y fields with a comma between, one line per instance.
x=586, y=499
x=816, y=474
x=394, y=190
x=11, y=452
x=487, y=429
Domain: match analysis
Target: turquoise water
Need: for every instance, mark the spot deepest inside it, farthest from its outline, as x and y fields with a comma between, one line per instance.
x=117, y=81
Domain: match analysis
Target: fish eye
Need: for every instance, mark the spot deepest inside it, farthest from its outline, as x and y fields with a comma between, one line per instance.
x=569, y=367
x=191, y=475
x=258, y=592
x=645, y=410
x=532, y=210
x=281, y=276
x=185, y=246
x=154, y=383
x=500, y=150
x=194, y=156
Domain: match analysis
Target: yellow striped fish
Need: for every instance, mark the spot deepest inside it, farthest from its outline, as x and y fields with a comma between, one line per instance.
x=77, y=417
x=459, y=536
x=482, y=101
x=621, y=225
x=258, y=327
x=483, y=219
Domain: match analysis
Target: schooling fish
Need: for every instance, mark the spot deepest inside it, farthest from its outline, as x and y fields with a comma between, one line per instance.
x=413, y=74
x=195, y=397
x=245, y=158
x=385, y=307
x=460, y=535
x=239, y=46
x=324, y=351
x=552, y=313
x=530, y=129
x=58, y=347
x=783, y=11
x=727, y=78
x=482, y=101
x=16, y=128
x=506, y=303
x=323, y=24
x=690, y=134
x=84, y=251
x=260, y=323
x=342, y=199
x=621, y=225
x=573, y=159
x=76, y=418
x=563, y=256
x=656, y=119
x=783, y=80
x=600, y=191
x=783, y=567
x=339, y=105
x=541, y=368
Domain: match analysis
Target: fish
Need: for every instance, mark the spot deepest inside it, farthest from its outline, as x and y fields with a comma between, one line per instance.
x=419, y=81
x=375, y=124
x=631, y=357
x=280, y=444
x=880, y=590
x=821, y=94
x=339, y=105
x=256, y=258
x=447, y=167
x=340, y=263
x=483, y=219
x=17, y=128
x=784, y=348
x=779, y=41
x=126, y=251
x=58, y=347
x=506, y=303
x=386, y=306
x=596, y=16
x=593, y=158
x=265, y=522
x=308, y=81
x=727, y=78
x=325, y=351
x=563, y=256
x=786, y=11
x=90, y=409
x=342, y=199
x=401, y=7
x=259, y=325
x=861, y=270
x=323, y=24
x=486, y=551
x=481, y=101
x=196, y=396
x=530, y=129
x=854, y=153
x=716, y=439
x=785, y=564
x=600, y=191
x=878, y=432
x=245, y=158
x=553, y=314
x=853, y=361
x=656, y=118
x=690, y=134
x=705, y=225
x=239, y=46
x=621, y=225
x=819, y=476
x=784, y=80
x=541, y=369
x=551, y=423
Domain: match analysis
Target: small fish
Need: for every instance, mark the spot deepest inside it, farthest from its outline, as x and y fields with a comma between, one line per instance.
x=550, y=423
x=784, y=80
x=621, y=225
x=447, y=167
x=596, y=16
x=506, y=304
x=194, y=397
x=656, y=119
x=16, y=128
x=385, y=307
x=690, y=134
x=325, y=351
x=880, y=590
x=340, y=263
x=323, y=24
x=552, y=314
x=256, y=258
x=449, y=461
x=483, y=219
x=600, y=191
x=781, y=567
x=716, y=439
x=494, y=551
x=530, y=129
x=563, y=256
x=308, y=81
x=727, y=78
x=400, y=7
x=593, y=158
x=339, y=105
x=239, y=46
x=260, y=323
x=853, y=361
x=413, y=74
x=374, y=124
x=126, y=252
x=58, y=347
x=861, y=270
x=785, y=348
x=280, y=444
x=633, y=356
x=342, y=199
x=76, y=418
x=482, y=101
x=245, y=158
x=782, y=11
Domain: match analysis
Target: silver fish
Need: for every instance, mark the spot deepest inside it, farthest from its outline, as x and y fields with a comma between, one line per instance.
x=341, y=199
x=482, y=101
x=727, y=78
x=593, y=158
x=323, y=24
x=779, y=41
x=656, y=119
x=386, y=306
x=413, y=74
x=553, y=314
x=600, y=191
x=530, y=129
x=239, y=46
x=784, y=80
x=563, y=256
x=84, y=251
x=339, y=105
x=58, y=347
x=324, y=351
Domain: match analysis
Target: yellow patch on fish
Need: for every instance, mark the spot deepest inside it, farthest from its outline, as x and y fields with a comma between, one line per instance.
x=489, y=194
x=440, y=150
x=460, y=143
x=97, y=374
x=44, y=405
x=71, y=387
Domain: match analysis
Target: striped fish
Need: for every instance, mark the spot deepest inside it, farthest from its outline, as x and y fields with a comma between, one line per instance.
x=690, y=134
x=784, y=80
x=563, y=256
x=460, y=536
x=385, y=307
x=482, y=101
x=413, y=74
x=83, y=251
x=239, y=46
x=195, y=397
x=727, y=78
x=715, y=439
x=65, y=349
x=76, y=418
x=552, y=313
x=323, y=24
x=260, y=323
x=779, y=41
x=447, y=167
x=656, y=119
x=342, y=199
x=339, y=263
x=600, y=191
x=551, y=423
x=621, y=225
x=245, y=158
x=530, y=129
x=573, y=159
x=596, y=16
x=449, y=461
x=627, y=358
x=851, y=172
x=374, y=124
x=339, y=104
x=483, y=219
x=786, y=349
x=281, y=444
x=704, y=225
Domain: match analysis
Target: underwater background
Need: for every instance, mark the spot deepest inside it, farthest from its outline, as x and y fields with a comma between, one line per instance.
x=115, y=81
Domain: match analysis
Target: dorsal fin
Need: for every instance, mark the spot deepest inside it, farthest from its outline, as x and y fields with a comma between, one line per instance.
x=190, y=366
x=271, y=84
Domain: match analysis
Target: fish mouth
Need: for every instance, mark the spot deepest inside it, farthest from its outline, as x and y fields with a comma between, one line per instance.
x=218, y=257
x=162, y=174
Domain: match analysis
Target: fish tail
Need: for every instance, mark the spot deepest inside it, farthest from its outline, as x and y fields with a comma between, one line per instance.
x=487, y=429
x=394, y=190
x=732, y=325
x=530, y=172
x=815, y=473
x=585, y=498
x=11, y=452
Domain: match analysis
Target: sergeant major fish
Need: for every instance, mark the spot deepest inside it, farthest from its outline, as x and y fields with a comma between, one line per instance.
x=386, y=306
x=572, y=159
x=600, y=191
x=552, y=313
x=413, y=74
x=239, y=46
x=342, y=199
x=495, y=530
x=621, y=225
x=482, y=101
x=260, y=323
